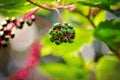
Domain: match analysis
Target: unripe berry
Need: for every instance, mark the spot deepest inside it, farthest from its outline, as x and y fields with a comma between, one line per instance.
x=70, y=31
x=12, y=36
x=6, y=39
x=51, y=31
x=65, y=40
x=65, y=24
x=71, y=27
x=64, y=31
x=73, y=36
x=57, y=42
x=54, y=35
x=2, y=37
x=64, y=27
x=6, y=32
x=52, y=40
x=57, y=25
x=29, y=23
x=59, y=34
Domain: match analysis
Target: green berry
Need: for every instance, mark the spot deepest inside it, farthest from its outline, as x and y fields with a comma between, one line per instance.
x=59, y=34
x=54, y=33
x=52, y=40
x=65, y=24
x=57, y=25
x=73, y=36
x=64, y=40
x=70, y=41
x=20, y=27
x=70, y=31
x=29, y=23
x=12, y=36
x=71, y=27
x=57, y=42
x=6, y=39
x=63, y=31
x=64, y=27
x=51, y=31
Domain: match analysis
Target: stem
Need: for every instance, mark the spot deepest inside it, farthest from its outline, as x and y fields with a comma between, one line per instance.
x=59, y=15
x=117, y=53
x=85, y=17
x=91, y=22
x=27, y=15
x=31, y=1
x=89, y=13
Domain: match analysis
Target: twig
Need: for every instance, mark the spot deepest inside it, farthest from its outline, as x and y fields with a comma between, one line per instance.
x=85, y=17
x=70, y=8
x=117, y=53
x=58, y=12
x=41, y=6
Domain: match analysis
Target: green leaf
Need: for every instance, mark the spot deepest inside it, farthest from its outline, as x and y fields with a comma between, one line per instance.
x=100, y=5
x=66, y=2
x=108, y=68
x=51, y=2
x=108, y=2
x=14, y=7
x=63, y=72
x=99, y=17
x=109, y=32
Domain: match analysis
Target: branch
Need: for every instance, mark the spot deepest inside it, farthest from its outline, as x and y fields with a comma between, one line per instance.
x=117, y=53
x=32, y=2
x=71, y=8
x=85, y=17
x=59, y=15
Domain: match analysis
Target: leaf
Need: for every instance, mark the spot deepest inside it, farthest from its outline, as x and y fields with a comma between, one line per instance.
x=109, y=32
x=108, y=2
x=51, y=2
x=61, y=71
x=99, y=18
x=100, y=5
x=14, y=7
x=75, y=60
x=66, y=2
x=108, y=68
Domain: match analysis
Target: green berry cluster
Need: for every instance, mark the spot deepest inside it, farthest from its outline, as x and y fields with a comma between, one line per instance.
x=62, y=33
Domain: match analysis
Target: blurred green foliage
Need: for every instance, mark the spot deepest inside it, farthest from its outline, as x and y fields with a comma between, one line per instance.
x=109, y=30
x=14, y=7
x=65, y=72
x=100, y=4
x=108, y=68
